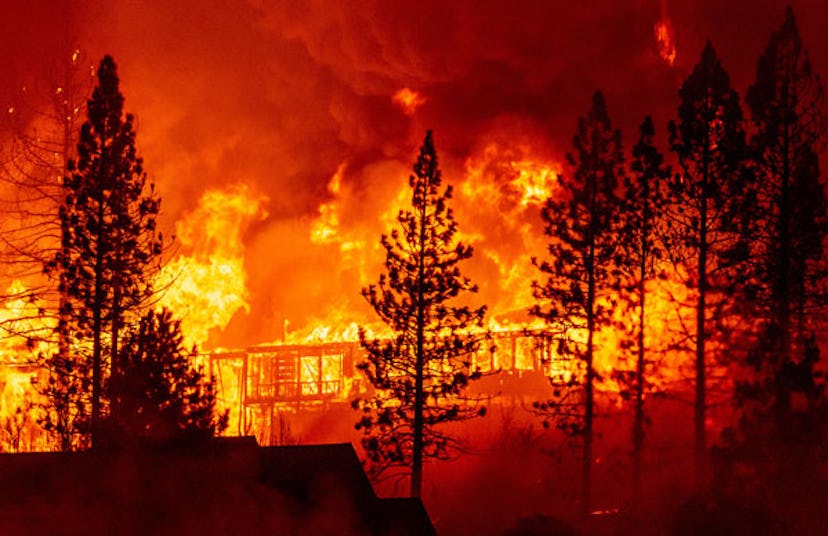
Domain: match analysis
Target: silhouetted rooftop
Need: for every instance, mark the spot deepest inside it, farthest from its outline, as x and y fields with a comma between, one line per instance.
x=225, y=486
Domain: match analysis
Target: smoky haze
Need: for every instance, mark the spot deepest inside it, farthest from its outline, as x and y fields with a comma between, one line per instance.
x=279, y=96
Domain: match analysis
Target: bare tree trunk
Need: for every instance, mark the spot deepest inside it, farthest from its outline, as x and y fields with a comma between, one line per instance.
x=638, y=425
x=63, y=408
x=115, y=363
x=97, y=318
x=586, y=497
x=116, y=313
x=700, y=407
x=586, y=483
x=419, y=399
x=782, y=302
x=97, y=327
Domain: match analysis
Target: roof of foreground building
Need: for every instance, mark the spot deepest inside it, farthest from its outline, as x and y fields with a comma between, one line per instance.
x=223, y=486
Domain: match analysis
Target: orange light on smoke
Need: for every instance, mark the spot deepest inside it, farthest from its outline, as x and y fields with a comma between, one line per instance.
x=408, y=100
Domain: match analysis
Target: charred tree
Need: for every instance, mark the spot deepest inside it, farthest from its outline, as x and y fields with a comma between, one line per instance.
x=576, y=299
x=43, y=125
x=160, y=394
x=109, y=241
x=709, y=217
x=641, y=250
x=420, y=374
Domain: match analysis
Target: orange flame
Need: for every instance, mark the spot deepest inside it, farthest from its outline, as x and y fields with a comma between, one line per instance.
x=25, y=332
x=665, y=41
x=207, y=285
x=325, y=228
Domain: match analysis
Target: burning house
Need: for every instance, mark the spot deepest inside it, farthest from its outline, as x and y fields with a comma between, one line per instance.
x=258, y=386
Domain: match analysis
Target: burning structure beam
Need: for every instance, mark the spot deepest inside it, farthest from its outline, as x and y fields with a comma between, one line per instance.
x=259, y=382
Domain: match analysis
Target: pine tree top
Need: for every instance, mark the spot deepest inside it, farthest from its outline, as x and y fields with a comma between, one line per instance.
x=107, y=102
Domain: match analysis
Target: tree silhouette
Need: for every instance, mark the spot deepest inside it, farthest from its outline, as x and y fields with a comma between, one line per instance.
x=641, y=250
x=160, y=394
x=786, y=104
x=43, y=125
x=422, y=371
x=577, y=296
x=709, y=238
x=109, y=242
x=783, y=412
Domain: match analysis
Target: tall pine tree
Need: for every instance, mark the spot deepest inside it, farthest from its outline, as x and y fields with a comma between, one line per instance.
x=641, y=238
x=109, y=244
x=421, y=372
x=783, y=410
x=581, y=275
x=786, y=105
x=708, y=219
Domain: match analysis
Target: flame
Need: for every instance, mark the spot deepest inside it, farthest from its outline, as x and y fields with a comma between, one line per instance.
x=25, y=336
x=499, y=213
x=19, y=431
x=334, y=328
x=665, y=40
x=207, y=284
x=408, y=100
x=509, y=178
x=534, y=181
x=337, y=325
x=25, y=328
x=502, y=178
x=324, y=229
x=500, y=189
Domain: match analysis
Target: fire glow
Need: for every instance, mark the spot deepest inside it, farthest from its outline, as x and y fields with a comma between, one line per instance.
x=281, y=141
x=666, y=42
x=500, y=193
x=408, y=100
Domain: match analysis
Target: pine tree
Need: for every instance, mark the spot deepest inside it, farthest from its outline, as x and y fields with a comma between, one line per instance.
x=708, y=222
x=783, y=412
x=576, y=299
x=161, y=395
x=640, y=237
x=786, y=105
x=421, y=372
x=109, y=244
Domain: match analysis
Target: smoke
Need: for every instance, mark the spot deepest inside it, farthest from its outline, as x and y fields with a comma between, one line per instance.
x=30, y=36
x=280, y=96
